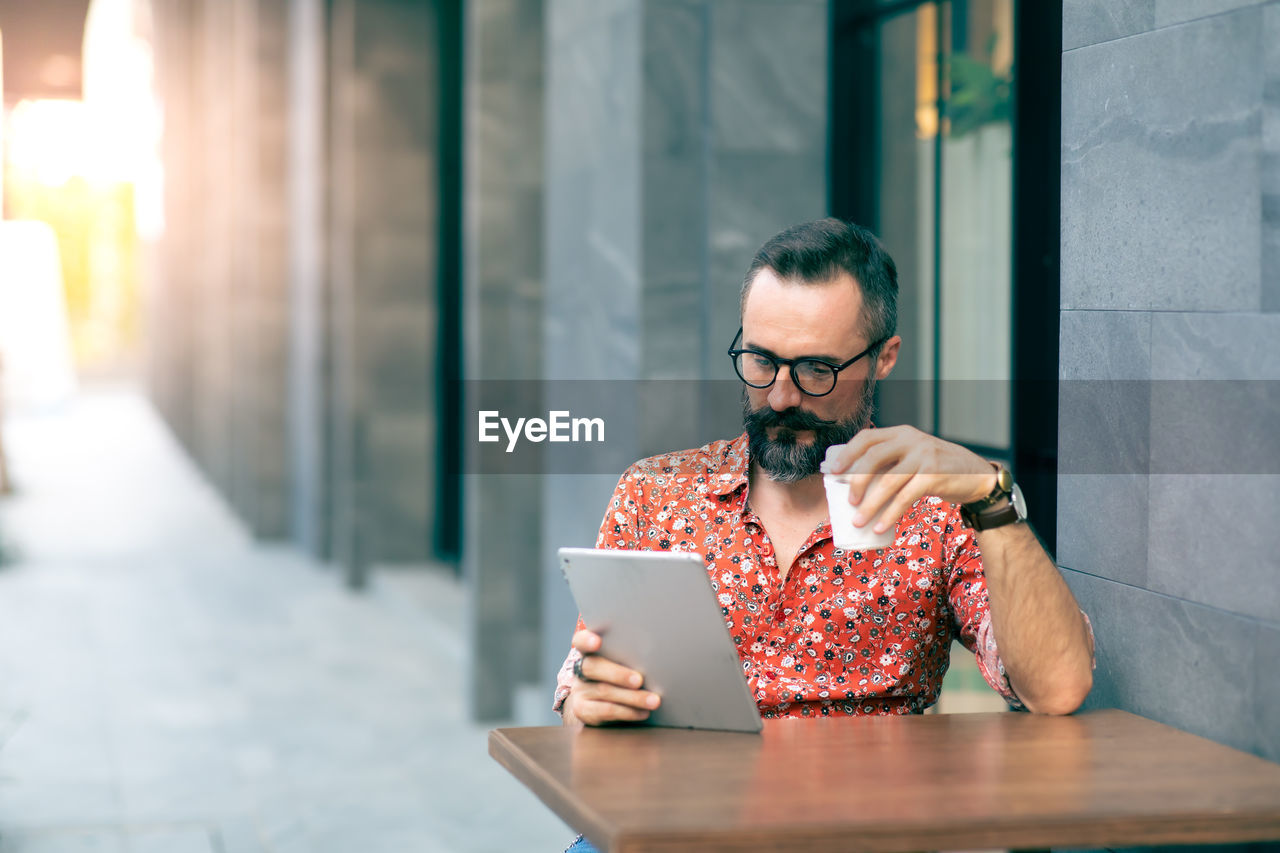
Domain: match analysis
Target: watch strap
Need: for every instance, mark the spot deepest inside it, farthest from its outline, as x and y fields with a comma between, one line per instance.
x=998, y=508
x=991, y=517
x=1011, y=511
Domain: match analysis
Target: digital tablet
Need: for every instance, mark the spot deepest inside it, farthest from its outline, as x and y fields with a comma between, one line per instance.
x=656, y=613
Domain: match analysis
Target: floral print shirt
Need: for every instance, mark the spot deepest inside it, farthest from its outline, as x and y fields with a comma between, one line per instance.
x=844, y=632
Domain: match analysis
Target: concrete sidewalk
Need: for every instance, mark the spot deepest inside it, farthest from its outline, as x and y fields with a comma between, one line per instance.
x=166, y=685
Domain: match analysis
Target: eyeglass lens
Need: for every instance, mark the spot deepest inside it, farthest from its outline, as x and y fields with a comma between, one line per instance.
x=760, y=371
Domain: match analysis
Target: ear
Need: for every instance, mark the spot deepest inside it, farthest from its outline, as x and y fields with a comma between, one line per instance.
x=888, y=357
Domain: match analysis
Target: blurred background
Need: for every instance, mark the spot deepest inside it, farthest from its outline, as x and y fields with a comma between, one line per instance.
x=260, y=258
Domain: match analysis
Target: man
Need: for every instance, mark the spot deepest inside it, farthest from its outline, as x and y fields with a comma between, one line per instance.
x=822, y=631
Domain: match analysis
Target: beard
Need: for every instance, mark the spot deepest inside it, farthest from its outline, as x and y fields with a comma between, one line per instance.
x=784, y=458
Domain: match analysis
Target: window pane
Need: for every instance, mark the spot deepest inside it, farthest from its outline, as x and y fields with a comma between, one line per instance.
x=976, y=156
x=907, y=123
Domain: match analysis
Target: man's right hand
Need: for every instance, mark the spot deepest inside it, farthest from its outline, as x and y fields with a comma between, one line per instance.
x=607, y=692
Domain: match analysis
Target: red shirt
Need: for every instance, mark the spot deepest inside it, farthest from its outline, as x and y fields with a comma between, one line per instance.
x=845, y=632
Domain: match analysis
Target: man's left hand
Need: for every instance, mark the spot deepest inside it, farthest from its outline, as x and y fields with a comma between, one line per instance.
x=892, y=468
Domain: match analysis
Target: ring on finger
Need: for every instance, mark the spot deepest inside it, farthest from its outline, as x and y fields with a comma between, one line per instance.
x=577, y=669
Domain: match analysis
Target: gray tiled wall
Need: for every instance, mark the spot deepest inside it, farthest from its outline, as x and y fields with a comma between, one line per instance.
x=1161, y=174
x=383, y=143
x=503, y=323
x=261, y=489
x=260, y=295
x=1086, y=22
x=218, y=307
x=1271, y=158
x=1170, y=358
x=1102, y=485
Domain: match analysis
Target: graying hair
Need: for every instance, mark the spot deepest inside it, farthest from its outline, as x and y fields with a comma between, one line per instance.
x=816, y=252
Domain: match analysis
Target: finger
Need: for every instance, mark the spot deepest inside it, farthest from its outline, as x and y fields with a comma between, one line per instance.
x=888, y=507
x=598, y=668
x=858, y=445
x=876, y=459
x=871, y=436
x=902, y=502
x=883, y=490
x=593, y=712
x=587, y=642
x=598, y=691
x=591, y=703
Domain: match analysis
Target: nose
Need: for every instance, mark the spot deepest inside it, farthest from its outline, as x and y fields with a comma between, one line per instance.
x=784, y=394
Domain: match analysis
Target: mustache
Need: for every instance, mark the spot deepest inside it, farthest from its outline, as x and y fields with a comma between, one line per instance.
x=795, y=419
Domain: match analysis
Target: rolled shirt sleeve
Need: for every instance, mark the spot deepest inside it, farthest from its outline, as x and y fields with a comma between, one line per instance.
x=967, y=595
x=971, y=610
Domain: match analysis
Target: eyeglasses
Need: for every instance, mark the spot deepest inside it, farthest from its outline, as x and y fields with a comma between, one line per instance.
x=813, y=376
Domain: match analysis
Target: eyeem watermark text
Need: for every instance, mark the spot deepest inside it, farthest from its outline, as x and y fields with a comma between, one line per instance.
x=559, y=426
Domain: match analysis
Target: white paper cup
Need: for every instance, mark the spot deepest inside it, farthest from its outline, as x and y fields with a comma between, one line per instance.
x=845, y=535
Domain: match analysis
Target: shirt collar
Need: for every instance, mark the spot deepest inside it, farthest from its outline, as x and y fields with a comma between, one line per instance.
x=732, y=473
x=732, y=477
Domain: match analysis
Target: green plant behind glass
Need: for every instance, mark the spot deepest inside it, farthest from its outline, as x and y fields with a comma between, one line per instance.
x=978, y=94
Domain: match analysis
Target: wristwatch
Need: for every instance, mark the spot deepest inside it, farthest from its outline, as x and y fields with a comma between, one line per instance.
x=1004, y=505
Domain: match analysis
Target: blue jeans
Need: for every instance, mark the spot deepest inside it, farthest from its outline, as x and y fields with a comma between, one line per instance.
x=581, y=845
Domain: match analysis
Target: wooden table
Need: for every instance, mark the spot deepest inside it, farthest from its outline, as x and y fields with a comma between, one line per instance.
x=1104, y=778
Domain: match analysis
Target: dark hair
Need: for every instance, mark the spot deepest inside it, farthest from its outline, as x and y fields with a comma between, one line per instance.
x=818, y=251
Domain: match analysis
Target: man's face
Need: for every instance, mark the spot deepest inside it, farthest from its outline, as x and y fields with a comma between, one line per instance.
x=788, y=430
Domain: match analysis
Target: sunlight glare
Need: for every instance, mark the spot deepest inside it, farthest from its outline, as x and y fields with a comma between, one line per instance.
x=47, y=142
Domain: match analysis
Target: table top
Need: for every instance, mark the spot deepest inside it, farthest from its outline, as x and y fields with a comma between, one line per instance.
x=1101, y=778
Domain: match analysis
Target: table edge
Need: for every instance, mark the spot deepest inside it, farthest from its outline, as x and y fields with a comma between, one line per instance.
x=552, y=791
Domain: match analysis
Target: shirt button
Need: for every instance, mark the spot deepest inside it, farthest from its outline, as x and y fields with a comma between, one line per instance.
x=767, y=549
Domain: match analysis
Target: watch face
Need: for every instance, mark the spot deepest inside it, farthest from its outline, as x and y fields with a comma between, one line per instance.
x=1018, y=502
x=1004, y=480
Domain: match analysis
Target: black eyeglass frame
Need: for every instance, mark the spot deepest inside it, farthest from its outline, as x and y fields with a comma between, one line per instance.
x=791, y=366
